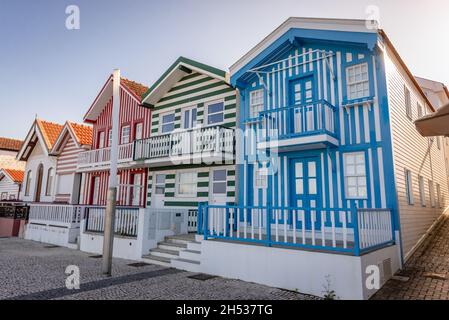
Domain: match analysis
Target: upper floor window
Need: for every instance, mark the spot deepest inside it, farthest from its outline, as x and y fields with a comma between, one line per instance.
x=422, y=194
x=28, y=183
x=126, y=135
x=167, y=122
x=420, y=110
x=187, y=184
x=408, y=102
x=110, y=137
x=439, y=202
x=189, y=116
x=431, y=194
x=101, y=140
x=438, y=143
x=409, y=186
x=215, y=113
x=50, y=178
x=260, y=177
x=357, y=81
x=255, y=103
x=355, y=175
x=138, y=131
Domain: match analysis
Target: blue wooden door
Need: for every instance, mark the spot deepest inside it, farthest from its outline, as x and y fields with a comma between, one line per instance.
x=305, y=187
x=302, y=115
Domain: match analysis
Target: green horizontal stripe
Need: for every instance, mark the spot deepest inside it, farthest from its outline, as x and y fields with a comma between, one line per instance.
x=230, y=106
x=231, y=172
x=231, y=183
x=177, y=126
x=200, y=113
x=203, y=174
x=170, y=176
x=169, y=185
x=153, y=130
x=229, y=125
x=181, y=204
x=202, y=194
x=230, y=115
x=200, y=105
x=185, y=93
x=170, y=194
x=190, y=76
x=154, y=123
x=203, y=184
x=199, y=97
x=190, y=84
x=229, y=98
x=231, y=194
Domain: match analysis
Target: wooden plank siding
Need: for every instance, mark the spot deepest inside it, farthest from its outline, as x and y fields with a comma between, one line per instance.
x=411, y=151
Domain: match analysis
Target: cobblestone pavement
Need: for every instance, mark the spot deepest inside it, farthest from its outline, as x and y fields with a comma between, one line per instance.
x=31, y=270
x=425, y=270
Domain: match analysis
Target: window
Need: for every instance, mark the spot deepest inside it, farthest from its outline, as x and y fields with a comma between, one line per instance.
x=160, y=184
x=138, y=131
x=355, y=175
x=101, y=141
x=255, y=103
x=408, y=102
x=439, y=202
x=357, y=81
x=219, y=182
x=126, y=135
x=167, y=122
x=409, y=186
x=215, y=113
x=4, y=196
x=438, y=143
x=187, y=184
x=260, y=177
x=50, y=177
x=422, y=194
x=110, y=138
x=431, y=194
x=189, y=118
x=420, y=111
x=28, y=183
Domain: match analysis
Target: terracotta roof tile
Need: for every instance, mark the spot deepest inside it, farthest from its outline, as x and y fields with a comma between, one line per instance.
x=50, y=131
x=82, y=132
x=10, y=144
x=137, y=88
x=16, y=175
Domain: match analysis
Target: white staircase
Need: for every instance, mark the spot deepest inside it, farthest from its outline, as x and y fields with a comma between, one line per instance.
x=181, y=252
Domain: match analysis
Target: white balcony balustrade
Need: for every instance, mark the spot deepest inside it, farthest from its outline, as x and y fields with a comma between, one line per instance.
x=102, y=157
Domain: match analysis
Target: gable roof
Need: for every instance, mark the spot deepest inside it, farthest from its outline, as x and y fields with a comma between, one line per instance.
x=179, y=69
x=80, y=133
x=42, y=131
x=14, y=175
x=10, y=144
x=135, y=89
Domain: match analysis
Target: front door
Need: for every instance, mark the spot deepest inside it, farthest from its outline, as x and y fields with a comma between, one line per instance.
x=218, y=187
x=303, y=117
x=137, y=190
x=306, y=186
x=159, y=191
x=40, y=174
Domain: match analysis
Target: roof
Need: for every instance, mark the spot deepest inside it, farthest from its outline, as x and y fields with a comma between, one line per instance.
x=10, y=162
x=82, y=133
x=15, y=175
x=10, y=144
x=179, y=69
x=135, y=89
x=50, y=131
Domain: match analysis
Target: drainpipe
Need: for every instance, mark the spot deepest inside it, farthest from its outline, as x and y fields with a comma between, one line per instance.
x=108, y=236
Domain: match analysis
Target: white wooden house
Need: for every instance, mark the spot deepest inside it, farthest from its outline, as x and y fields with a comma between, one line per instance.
x=10, y=184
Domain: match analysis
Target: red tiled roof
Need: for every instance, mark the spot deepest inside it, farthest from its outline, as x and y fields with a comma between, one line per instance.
x=82, y=132
x=16, y=175
x=137, y=88
x=10, y=144
x=50, y=131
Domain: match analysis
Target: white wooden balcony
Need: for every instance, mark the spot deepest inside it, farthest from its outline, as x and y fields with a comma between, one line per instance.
x=102, y=157
x=214, y=144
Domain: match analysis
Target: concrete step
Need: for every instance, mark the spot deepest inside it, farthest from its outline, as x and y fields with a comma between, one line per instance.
x=195, y=246
x=172, y=246
x=161, y=261
x=171, y=254
x=179, y=240
x=191, y=255
x=186, y=264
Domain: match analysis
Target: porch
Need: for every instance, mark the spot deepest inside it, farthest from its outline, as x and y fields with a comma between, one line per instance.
x=298, y=127
x=213, y=144
x=101, y=158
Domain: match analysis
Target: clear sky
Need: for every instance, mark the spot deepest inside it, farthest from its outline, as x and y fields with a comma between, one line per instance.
x=56, y=73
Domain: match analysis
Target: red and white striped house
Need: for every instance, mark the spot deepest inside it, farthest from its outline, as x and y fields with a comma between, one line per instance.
x=135, y=124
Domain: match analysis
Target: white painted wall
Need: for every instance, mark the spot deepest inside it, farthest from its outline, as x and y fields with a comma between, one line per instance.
x=411, y=151
x=37, y=157
x=292, y=269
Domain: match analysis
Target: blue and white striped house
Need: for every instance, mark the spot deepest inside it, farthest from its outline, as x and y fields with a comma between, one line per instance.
x=323, y=180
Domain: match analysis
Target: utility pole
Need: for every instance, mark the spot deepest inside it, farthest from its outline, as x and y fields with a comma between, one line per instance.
x=109, y=221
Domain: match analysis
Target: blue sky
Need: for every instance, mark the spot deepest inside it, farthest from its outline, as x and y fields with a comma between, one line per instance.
x=56, y=73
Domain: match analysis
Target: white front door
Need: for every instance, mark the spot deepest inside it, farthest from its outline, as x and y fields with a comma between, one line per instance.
x=138, y=131
x=96, y=186
x=137, y=190
x=159, y=191
x=217, y=187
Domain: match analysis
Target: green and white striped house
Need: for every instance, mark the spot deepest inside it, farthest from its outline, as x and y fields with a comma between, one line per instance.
x=191, y=153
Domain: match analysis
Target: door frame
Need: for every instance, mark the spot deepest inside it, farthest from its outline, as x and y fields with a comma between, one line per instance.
x=39, y=178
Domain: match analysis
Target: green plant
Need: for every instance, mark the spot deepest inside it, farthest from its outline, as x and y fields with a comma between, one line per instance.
x=329, y=294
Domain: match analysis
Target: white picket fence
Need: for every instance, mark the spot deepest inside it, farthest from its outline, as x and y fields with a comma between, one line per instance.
x=103, y=156
x=126, y=220
x=55, y=213
x=375, y=227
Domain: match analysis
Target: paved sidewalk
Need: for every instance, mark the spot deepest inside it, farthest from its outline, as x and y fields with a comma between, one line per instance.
x=31, y=270
x=424, y=269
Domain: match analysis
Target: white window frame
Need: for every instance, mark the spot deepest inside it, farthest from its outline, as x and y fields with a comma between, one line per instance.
x=50, y=181
x=256, y=108
x=213, y=181
x=101, y=139
x=183, y=110
x=109, y=137
x=432, y=194
x=422, y=193
x=355, y=175
x=438, y=204
x=193, y=194
x=28, y=183
x=136, y=125
x=159, y=184
x=354, y=83
x=408, y=102
x=260, y=177
x=207, y=114
x=122, y=135
x=409, y=186
x=161, y=124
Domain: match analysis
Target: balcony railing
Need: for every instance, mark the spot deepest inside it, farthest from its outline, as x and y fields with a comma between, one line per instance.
x=102, y=157
x=344, y=230
x=217, y=139
x=126, y=220
x=55, y=214
x=313, y=118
